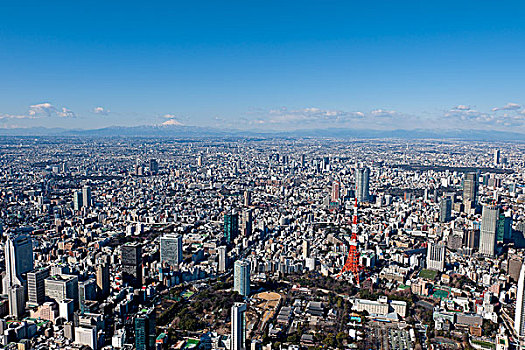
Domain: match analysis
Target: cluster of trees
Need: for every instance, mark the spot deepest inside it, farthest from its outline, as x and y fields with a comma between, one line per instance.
x=190, y=321
x=167, y=315
x=366, y=294
x=490, y=329
x=461, y=281
x=216, y=300
x=335, y=340
x=316, y=280
x=405, y=296
x=328, y=339
x=187, y=315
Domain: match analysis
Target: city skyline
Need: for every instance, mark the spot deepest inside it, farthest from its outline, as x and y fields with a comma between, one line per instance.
x=236, y=175
x=261, y=243
x=265, y=67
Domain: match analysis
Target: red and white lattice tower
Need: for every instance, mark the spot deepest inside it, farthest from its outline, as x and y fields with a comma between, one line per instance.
x=352, y=264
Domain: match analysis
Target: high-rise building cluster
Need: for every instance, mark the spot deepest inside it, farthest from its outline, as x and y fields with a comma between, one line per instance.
x=137, y=243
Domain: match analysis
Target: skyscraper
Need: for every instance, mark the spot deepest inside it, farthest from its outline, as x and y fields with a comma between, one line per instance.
x=231, y=226
x=145, y=329
x=497, y=157
x=489, y=224
x=132, y=264
x=470, y=187
x=223, y=258
x=153, y=166
x=62, y=287
x=238, y=326
x=241, y=277
x=86, y=196
x=77, y=200
x=436, y=256
x=306, y=249
x=362, y=179
x=336, y=192
x=87, y=290
x=445, y=209
x=16, y=299
x=18, y=258
x=247, y=198
x=470, y=241
x=86, y=335
x=326, y=163
x=519, y=317
x=36, y=286
x=103, y=279
x=246, y=223
x=171, y=249
x=504, y=230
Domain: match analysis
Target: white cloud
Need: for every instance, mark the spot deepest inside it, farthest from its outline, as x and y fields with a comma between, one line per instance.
x=468, y=115
x=309, y=115
x=508, y=107
x=511, y=118
x=314, y=117
x=48, y=110
x=16, y=116
x=65, y=113
x=169, y=116
x=101, y=110
x=382, y=113
x=172, y=122
x=462, y=108
x=42, y=109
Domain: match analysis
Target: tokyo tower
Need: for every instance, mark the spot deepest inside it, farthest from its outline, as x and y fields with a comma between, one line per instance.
x=352, y=264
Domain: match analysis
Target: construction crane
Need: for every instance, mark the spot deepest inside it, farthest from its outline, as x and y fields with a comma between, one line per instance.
x=352, y=263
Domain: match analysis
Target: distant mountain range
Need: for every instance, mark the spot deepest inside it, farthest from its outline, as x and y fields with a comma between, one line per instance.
x=178, y=131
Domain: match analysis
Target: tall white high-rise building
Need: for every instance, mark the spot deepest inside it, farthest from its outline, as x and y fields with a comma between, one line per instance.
x=86, y=335
x=171, y=249
x=519, y=318
x=61, y=287
x=18, y=259
x=246, y=222
x=306, y=249
x=497, y=157
x=436, y=256
x=223, y=262
x=470, y=187
x=247, y=198
x=241, y=277
x=77, y=200
x=16, y=299
x=488, y=231
x=362, y=179
x=86, y=196
x=238, y=327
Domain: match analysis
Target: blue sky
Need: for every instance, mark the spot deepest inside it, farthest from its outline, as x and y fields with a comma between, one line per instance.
x=263, y=64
